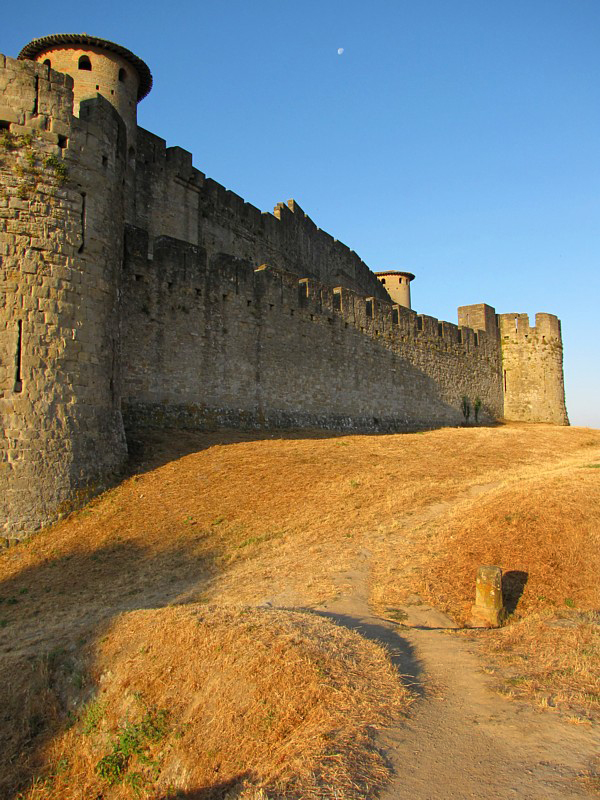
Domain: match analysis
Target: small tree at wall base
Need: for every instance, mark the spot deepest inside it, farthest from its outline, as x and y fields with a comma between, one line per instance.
x=466, y=409
x=477, y=408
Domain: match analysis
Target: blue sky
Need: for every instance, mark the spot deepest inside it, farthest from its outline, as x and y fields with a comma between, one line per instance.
x=457, y=139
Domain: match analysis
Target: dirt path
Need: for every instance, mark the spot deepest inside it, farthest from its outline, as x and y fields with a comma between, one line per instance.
x=462, y=739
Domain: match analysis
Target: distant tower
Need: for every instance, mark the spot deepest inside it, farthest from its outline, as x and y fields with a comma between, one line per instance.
x=97, y=66
x=397, y=285
x=532, y=364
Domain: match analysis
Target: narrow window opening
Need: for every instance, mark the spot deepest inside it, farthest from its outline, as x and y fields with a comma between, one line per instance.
x=271, y=306
x=122, y=75
x=440, y=329
x=395, y=316
x=516, y=323
x=139, y=277
x=369, y=309
x=18, y=379
x=312, y=316
x=224, y=297
x=337, y=301
x=375, y=421
x=248, y=303
x=85, y=63
x=504, y=380
x=169, y=286
x=419, y=323
x=83, y=215
x=105, y=161
x=198, y=292
x=112, y=91
x=303, y=291
x=35, y=99
x=330, y=320
x=291, y=312
x=476, y=339
x=47, y=62
x=97, y=87
x=62, y=141
x=460, y=336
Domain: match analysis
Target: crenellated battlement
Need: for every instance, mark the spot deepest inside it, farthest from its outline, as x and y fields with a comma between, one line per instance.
x=517, y=325
x=138, y=291
x=208, y=214
x=305, y=296
x=286, y=350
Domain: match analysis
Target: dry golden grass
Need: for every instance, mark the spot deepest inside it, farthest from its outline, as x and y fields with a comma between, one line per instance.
x=231, y=519
x=222, y=699
x=543, y=532
x=552, y=659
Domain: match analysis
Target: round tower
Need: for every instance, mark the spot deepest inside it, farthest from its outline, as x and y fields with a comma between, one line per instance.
x=397, y=285
x=97, y=66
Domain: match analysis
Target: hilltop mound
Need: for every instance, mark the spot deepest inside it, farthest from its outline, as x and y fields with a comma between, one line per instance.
x=223, y=520
x=192, y=697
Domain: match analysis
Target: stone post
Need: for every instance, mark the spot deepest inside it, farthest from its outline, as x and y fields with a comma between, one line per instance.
x=488, y=611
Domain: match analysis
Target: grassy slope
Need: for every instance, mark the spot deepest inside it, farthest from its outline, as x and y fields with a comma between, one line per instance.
x=229, y=520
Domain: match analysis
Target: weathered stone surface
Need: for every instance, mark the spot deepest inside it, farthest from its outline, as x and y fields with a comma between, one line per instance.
x=488, y=610
x=132, y=284
x=532, y=369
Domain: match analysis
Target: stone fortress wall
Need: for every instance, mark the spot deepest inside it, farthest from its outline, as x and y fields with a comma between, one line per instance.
x=138, y=291
x=532, y=368
x=61, y=234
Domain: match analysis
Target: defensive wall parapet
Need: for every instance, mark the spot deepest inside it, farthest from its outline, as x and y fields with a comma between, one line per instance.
x=175, y=199
x=217, y=340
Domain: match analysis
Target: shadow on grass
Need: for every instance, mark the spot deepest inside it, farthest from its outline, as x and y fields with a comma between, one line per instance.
x=51, y=613
x=513, y=586
x=401, y=652
x=215, y=792
x=150, y=448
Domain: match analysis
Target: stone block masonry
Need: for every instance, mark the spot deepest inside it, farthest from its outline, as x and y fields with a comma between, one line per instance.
x=217, y=341
x=137, y=291
x=61, y=233
x=532, y=369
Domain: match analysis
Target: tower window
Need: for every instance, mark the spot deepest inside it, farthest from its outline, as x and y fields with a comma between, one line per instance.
x=18, y=387
x=85, y=63
x=122, y=75
x=383, y=280
x=48, y=63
